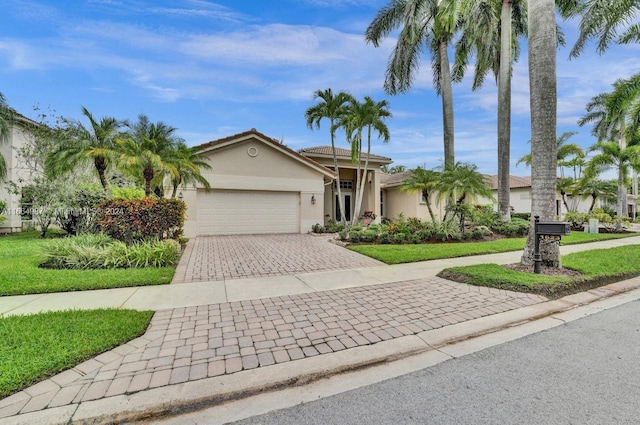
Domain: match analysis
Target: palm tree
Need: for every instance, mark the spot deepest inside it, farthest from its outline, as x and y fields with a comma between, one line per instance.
x=5, y=117
x=602, y=20
x=565, y=185
x=333, y=107
x=369, y=115
x=148, y=150
x=424, y=181
x=96, y=144
x=613, y=155
x=423, y=24
x=490, y=30
x=187, y=163
x=393, y=170
x=564, y=151
x=543, y=99
x=596, y=188
x=462, y=182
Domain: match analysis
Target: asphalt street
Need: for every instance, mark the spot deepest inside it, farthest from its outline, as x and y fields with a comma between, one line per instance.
x=584, y=372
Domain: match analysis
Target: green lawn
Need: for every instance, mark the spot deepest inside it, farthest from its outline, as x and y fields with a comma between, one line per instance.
x=21, y=254
x=35, y=347
x=597, y=267
x=396, y=254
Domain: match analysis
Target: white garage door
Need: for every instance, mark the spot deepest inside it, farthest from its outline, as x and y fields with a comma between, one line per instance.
x=230, y=212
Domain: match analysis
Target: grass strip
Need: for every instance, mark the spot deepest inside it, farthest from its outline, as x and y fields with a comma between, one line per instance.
x=35, y=347
x=20, y=256
x=397, y=254
x=596, y=267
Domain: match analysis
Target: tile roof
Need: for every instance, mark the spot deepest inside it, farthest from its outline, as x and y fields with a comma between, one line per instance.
x=340, y=153
x=393, y=179
x=276, y=143
x=515, y=182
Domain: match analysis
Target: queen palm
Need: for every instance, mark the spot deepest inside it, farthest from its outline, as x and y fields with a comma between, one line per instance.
x=424, y=181
x=148, y=150
x=95, y=144
x=490, y=29
x=332, y=107
x=423, y=24
x=187, y=163
x=368, y=115
x=543, y=100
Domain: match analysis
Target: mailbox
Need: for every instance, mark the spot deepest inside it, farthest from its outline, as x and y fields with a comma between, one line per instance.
x=553, y=228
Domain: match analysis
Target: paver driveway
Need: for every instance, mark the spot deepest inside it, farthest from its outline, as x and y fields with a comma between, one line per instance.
x=209, y=258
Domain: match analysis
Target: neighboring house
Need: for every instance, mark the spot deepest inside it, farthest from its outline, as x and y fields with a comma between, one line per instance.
x=520, y=198
x=410, y=204
x=349, y=179
x=20, y=132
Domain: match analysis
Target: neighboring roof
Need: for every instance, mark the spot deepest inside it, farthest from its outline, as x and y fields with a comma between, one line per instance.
x=18, y=118
x=326, y=152
x=515, y=182
x=395, y=179
x=253, y=133
x=391, y=180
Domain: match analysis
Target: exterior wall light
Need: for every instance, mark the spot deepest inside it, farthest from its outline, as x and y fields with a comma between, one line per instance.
x=180, y=197
x=313, y=199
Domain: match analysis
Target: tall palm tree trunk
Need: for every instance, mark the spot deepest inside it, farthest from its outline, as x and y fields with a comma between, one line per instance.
x=543, y=99
x=101, y=166
x=363, y=181
x=446, y=91
x=342, y=217
x=504, y=113
x=622, y=196
x=148, y=176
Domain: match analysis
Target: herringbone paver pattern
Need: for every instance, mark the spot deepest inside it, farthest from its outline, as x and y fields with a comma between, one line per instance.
x=212, y=258
x=188, y=344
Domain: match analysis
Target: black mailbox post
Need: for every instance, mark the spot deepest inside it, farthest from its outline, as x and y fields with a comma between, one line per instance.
x=547, y=230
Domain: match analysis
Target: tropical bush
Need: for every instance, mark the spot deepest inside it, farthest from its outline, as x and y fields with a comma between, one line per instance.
x=127, y=192
x=3, y=208
x=78, y=213
x=576, y=219
x=516, y=227
x=145, y=219
x=98, y=251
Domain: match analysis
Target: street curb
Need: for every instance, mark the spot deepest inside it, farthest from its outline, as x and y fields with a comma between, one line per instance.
x=208, y=392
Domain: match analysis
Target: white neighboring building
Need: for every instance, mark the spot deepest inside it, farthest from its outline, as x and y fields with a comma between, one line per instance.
x=20, y=132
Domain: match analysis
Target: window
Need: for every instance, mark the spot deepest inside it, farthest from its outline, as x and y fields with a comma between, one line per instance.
x=382, y=203
x=345, y=184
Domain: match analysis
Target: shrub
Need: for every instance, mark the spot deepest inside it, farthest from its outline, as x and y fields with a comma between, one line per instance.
x=355, y=236
x=78, y=213
x=385, y=238
x=399, y=237
x=135, y=220
x=333, y=227
x=415, y=238
x=447, y=230
x=576, y=219
x=98, y=251
x=127, y=192
x=317, y=228
x=369, y=235
x=521, y=216
x=342, y=234
x=515, y=228
x=3, y=208
x=484, y=215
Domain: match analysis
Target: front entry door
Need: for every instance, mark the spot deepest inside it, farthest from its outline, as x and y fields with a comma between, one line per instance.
x=346, y=199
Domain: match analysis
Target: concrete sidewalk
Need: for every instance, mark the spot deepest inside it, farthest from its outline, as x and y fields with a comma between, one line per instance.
x=231, y=290
x=318, y=324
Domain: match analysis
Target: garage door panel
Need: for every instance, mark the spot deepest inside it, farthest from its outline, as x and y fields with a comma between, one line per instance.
x=248, y=212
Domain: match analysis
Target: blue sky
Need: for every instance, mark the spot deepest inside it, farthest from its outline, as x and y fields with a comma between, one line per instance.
x=213, y=69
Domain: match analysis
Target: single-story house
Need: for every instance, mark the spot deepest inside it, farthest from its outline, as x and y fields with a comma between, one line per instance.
x=259, y=185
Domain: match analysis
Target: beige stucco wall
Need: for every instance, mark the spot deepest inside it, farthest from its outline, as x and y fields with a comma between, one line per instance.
x=410, y=205
x=254, y=165
x=16, y=172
